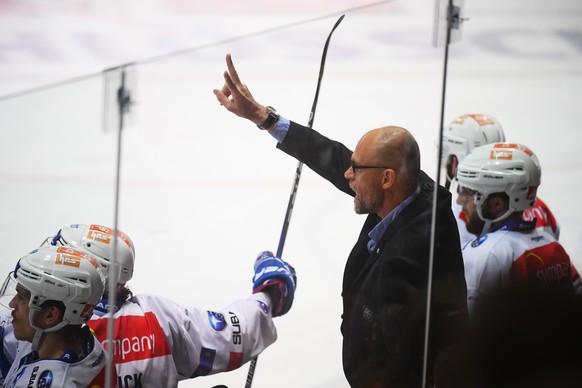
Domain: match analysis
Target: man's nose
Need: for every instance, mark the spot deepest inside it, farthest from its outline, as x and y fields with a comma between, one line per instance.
x=349, y=174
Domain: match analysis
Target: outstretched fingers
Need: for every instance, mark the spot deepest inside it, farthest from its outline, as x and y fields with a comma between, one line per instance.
x=222, y=99
x=232, y=70
x=224, y=95
x=226, y=89
x=236, y=97
x=230, y=88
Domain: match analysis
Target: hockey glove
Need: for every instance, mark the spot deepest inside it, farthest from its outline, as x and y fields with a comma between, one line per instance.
x=278, y=279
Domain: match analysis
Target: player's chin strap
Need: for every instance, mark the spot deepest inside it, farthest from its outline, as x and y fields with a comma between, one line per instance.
x=36, y=339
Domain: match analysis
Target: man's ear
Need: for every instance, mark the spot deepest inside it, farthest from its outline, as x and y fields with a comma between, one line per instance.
x=388, y=178
x=497, y=205
x=452, y=164
x=51, y=316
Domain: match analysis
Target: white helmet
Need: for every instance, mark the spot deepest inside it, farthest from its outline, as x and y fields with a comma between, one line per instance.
x=468, y=132
x=65, y=275
x=501, y=168
x=97, y=240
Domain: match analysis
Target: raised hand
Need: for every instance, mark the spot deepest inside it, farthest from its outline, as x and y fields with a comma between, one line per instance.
x=278, y=279
x=236, y=97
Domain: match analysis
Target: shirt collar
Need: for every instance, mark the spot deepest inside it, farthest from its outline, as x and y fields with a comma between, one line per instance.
x=376, y=233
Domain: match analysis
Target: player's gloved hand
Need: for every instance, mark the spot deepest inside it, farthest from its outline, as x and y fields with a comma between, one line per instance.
x=277, y=278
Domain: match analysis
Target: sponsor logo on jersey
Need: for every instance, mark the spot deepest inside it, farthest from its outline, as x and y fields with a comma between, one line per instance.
x=263, y=306
x=33, y=376
x=217, y=321
x=136, y=337
x=129, y=381
x=103, y=306
x=478, y=241
x=236, y=336
x=99, y=359
x=546, y=266
x=555, y=274
x=45, y=380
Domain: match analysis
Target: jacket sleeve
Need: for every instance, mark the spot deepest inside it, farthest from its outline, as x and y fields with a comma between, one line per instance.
x=328, y=158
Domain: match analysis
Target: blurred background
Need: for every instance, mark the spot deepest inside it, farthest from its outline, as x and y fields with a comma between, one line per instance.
x=188, y=168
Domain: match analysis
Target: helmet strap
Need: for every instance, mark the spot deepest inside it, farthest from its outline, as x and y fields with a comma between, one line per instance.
x=38, y=331
x=36, y=339
x=486, y=227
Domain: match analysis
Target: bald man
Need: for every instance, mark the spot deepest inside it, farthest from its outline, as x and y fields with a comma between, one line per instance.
x=385, y=283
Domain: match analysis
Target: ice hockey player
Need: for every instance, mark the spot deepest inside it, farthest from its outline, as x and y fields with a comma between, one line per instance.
x=56, y=291
x=158, y=342
x=460, y=137
x=497, y=183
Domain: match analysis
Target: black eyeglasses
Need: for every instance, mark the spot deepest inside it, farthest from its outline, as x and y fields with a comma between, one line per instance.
x=355, y=166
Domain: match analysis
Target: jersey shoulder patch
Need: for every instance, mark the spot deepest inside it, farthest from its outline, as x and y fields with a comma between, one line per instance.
x=478, y=241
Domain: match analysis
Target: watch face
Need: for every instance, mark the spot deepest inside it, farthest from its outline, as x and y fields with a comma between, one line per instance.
x=272, y=118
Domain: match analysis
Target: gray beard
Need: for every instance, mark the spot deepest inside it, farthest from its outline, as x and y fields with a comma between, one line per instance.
x=362, y=207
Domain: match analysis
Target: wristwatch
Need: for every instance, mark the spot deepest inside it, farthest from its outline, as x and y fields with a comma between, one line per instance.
x=272, y=118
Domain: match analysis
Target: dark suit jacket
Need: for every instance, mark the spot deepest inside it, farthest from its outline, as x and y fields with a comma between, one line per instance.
x=385, y=292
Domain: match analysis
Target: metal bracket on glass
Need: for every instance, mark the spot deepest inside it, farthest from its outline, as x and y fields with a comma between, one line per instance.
x=118, y=90
x=448, y=21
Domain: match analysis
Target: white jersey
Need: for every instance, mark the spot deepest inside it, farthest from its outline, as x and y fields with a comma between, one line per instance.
x=9, y=345
x=159, y=342
x=68, y=371
x=506, y=257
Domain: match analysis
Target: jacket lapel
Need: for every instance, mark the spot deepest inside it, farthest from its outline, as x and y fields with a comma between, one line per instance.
x=407, y=214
